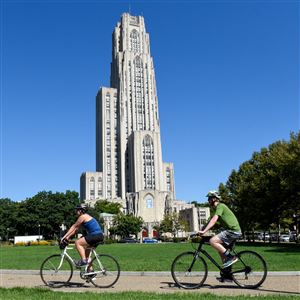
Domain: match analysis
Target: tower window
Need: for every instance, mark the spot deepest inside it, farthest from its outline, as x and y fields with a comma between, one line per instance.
x=148, y=157
x=134, y=41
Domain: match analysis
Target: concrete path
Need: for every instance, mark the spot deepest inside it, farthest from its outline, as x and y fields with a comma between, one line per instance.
x=283, y=283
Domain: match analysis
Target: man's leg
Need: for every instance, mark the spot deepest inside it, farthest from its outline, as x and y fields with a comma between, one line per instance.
x=217, y=244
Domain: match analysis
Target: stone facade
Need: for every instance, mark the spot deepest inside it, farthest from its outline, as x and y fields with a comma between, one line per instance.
x=129, y=165
x=107, y=222
x=195, y=217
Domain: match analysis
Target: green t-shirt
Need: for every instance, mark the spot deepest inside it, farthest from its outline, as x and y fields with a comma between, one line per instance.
x=227, y=217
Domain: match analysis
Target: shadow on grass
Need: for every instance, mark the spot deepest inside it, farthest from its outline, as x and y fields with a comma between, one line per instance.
x=273, y=247
x=59, y=284
x=258, y=289
x=173, y=286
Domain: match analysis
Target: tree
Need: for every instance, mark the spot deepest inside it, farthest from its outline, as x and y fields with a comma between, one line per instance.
x=125, y=225
x=197, y=204
x=265, y=189
x=172, y=223
x=45, y=212
x=105, y=206
x=8, y=210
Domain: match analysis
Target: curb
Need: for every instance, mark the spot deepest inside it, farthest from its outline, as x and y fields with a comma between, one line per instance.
x=143, y=273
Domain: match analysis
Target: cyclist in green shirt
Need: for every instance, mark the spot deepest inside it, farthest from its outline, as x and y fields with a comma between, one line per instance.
x=232, y=228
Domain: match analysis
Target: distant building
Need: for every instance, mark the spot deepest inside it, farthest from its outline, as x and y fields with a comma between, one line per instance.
x=108, y=222
x=195, y=217
x=129, y=165
x=178, y=205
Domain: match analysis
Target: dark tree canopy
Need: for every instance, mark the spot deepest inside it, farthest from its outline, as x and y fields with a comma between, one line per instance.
x=265, y=190
x=46, y=211
x=105, y=206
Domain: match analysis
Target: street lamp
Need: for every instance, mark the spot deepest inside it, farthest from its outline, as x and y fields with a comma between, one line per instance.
x=39, y=225
x=7, y=233
x=62, y=229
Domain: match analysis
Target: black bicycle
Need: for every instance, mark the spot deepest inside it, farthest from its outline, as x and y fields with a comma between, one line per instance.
x=189, y=269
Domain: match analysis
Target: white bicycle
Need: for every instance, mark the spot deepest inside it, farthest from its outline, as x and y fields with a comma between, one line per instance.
x=102, y=271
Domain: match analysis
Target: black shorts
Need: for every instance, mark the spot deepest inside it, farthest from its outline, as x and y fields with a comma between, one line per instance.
x=93, y=239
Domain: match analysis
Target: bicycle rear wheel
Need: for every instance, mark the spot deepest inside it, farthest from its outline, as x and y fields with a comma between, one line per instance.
x=250, y=271
x=56, y=271
x=188, y=271
x=105, y=271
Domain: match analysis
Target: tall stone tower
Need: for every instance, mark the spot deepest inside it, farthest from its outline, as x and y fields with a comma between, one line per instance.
x=129, y=166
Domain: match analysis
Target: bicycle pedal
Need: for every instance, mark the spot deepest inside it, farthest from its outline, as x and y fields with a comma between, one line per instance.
x=88, y=280
x=221, y=279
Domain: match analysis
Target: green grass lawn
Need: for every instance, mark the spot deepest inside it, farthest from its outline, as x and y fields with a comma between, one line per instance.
x=37, y=294
x=150, y=257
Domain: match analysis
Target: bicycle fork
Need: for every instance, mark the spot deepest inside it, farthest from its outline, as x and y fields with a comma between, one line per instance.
x=193, y=262
x=63, y=254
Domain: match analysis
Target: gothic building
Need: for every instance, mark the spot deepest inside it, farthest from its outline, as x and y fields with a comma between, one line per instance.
x=129, y=165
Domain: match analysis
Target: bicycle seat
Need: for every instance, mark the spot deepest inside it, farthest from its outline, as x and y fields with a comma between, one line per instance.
x=97, y=244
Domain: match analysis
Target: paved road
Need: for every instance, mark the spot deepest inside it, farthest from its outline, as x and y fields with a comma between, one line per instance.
x=284, y=283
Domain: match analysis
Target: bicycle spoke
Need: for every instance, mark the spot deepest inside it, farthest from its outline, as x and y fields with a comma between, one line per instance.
x=106, y=271
x=51, y=275
x=189, y=272
x=239, y=271
x=250, y=271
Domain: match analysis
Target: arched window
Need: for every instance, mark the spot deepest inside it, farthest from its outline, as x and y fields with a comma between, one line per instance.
x=149, y=201
x=148, y=161
x=134, y=41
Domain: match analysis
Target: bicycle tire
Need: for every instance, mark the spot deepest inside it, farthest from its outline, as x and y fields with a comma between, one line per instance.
x=54, y=277
x=107, y=273
x=250, y=271
x=183, y=276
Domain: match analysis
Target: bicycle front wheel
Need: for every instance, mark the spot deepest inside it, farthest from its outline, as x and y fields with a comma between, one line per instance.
x=56, y=271
x=189, y=271
x=250, y=271
x=105, y=271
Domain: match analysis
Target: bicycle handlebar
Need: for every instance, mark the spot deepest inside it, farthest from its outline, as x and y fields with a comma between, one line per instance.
x=63, y=244
x=202, y=238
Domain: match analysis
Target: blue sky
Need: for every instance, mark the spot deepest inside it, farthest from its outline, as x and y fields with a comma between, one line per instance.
x=227, y=76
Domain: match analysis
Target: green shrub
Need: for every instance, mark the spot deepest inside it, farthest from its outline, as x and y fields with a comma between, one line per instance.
x=108, y=240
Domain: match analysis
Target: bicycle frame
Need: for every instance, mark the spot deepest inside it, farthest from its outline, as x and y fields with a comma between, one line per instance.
x=205, y=253
x=92, y=252
x=210, y=258
x=65, y=253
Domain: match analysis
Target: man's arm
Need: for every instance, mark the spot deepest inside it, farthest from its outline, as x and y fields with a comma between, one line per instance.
x=210, y=225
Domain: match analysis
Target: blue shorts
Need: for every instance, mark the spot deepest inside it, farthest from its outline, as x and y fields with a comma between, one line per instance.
x=93, y=239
